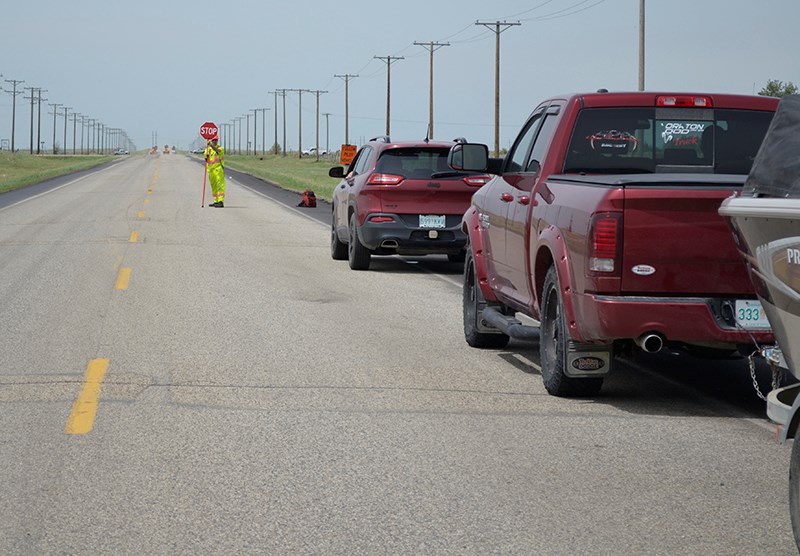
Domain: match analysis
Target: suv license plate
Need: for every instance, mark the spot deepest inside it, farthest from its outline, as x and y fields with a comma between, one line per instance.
x=431, y=221
x=750, y=315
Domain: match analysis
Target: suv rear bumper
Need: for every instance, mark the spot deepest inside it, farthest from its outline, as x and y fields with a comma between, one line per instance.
x=402, y=237
x=691, y=320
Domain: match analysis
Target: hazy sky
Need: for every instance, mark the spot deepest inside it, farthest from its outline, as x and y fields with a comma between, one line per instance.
x=166, y=67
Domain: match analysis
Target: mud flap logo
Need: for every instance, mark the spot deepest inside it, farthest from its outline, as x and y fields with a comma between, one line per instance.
x=587, y=362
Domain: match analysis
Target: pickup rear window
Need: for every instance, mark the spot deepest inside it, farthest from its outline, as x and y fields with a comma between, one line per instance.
x=665, y=139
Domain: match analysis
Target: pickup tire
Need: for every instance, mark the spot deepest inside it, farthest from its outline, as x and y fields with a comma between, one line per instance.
x=473, y=303
x=338, y=248
x=553, y=346
x=357, y=255
x=794, y=490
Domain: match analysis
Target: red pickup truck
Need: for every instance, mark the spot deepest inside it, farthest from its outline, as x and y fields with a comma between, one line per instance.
x=601, y=224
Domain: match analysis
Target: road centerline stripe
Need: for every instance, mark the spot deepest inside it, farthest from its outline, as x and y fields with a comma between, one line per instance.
x=84, y=409
x=123, y=279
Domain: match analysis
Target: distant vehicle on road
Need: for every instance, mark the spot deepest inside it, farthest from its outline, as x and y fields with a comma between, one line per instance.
x=313, y=152
x=121, y=151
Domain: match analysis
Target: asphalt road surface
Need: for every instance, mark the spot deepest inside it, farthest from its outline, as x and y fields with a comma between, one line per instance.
x=186, y=380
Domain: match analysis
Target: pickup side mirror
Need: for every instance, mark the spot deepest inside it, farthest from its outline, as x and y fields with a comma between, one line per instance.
x=336, y=172
x=470, y=157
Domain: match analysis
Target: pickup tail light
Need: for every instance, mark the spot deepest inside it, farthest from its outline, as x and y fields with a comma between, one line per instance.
x=605, y=244
x=477, y=181
x=685, y=101
x=384, y=179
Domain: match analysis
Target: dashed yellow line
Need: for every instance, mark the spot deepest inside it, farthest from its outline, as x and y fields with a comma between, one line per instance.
x=123, y=279
x=84, y=409
x=146, y=201
x=134, y=237
x=141, y=214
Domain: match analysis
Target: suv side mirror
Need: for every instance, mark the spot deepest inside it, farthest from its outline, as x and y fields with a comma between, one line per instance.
x=336, y=172
x=470, y=157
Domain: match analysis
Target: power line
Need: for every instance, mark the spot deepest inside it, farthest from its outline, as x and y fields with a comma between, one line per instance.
x=389, y=60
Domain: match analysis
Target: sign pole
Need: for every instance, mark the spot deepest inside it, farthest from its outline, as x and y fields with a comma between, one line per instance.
x=205, y=171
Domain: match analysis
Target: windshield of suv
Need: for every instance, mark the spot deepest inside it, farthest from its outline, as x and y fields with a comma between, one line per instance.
x=413, y=162
x=648, y=140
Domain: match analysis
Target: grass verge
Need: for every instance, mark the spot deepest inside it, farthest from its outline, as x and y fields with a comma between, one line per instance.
x=289, y=172
x=18, y=170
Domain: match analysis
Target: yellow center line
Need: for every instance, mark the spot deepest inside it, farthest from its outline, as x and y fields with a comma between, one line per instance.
x=146, y=201
x=123, y=278
x=81, y=418
x=134, y=237
x=141, y=214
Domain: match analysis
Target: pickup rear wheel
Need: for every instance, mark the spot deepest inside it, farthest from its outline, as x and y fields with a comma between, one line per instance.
x=357, y=255
x=553, y=346
x=338, y=248
x=474, y=303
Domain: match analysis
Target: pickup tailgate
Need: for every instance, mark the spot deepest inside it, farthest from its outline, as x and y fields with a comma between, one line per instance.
x=674, y=241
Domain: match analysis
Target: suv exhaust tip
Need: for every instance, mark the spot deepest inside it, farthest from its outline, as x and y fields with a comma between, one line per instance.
x=390, y=244
x=651, y=343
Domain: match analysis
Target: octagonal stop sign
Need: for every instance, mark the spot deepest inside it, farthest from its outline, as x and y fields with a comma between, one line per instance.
x=208, y=130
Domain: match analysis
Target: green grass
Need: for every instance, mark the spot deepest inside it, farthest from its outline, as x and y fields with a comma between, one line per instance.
x=289, y=172
x=18, y=170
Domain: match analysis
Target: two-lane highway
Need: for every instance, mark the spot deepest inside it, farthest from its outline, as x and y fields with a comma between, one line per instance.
x=178, y=379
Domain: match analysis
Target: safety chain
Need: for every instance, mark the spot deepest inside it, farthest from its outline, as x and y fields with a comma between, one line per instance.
x=772, y=357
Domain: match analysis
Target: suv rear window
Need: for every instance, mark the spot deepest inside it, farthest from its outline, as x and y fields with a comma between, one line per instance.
x=413, y=162
x=649, y=140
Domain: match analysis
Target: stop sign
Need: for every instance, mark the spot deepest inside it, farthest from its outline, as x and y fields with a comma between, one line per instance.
x=208, y=130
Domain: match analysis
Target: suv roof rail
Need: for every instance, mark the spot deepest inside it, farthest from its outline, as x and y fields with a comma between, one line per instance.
x=382, y=138
x=460, y=140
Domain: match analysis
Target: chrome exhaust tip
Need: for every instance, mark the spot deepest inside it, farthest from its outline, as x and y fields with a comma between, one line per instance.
x=651, y=343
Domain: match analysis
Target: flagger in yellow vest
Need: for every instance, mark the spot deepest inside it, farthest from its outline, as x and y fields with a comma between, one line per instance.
x=215, y=158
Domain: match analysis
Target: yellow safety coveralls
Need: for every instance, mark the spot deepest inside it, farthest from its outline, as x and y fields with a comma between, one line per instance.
x=216, y=174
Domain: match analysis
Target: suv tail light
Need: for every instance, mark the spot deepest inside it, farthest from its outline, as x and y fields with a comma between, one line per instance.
x=477, y=181
x=384, y=179
x=605, y=242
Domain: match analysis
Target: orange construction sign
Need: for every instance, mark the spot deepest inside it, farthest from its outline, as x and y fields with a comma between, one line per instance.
x=348, y=154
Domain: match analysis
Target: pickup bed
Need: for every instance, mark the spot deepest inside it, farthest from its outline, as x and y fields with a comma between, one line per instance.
x=601, y=224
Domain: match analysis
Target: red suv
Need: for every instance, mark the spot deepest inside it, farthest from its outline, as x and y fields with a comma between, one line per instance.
x=400, y=198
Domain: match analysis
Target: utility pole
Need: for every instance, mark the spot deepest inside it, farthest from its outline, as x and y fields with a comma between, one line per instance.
x=247, y=133
x=39, y=124
x=317, y=93
x=641, y=45
x=432, y=47
x=347, y=77
x=14, y=94
x=275, y=94
x=327, y=135
x=299, y=120
x=282, y=94
x=55, y=113
x=263, y=130
x=66, y=108
x=388, y=60
x=498, y=27
x=74, y=130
